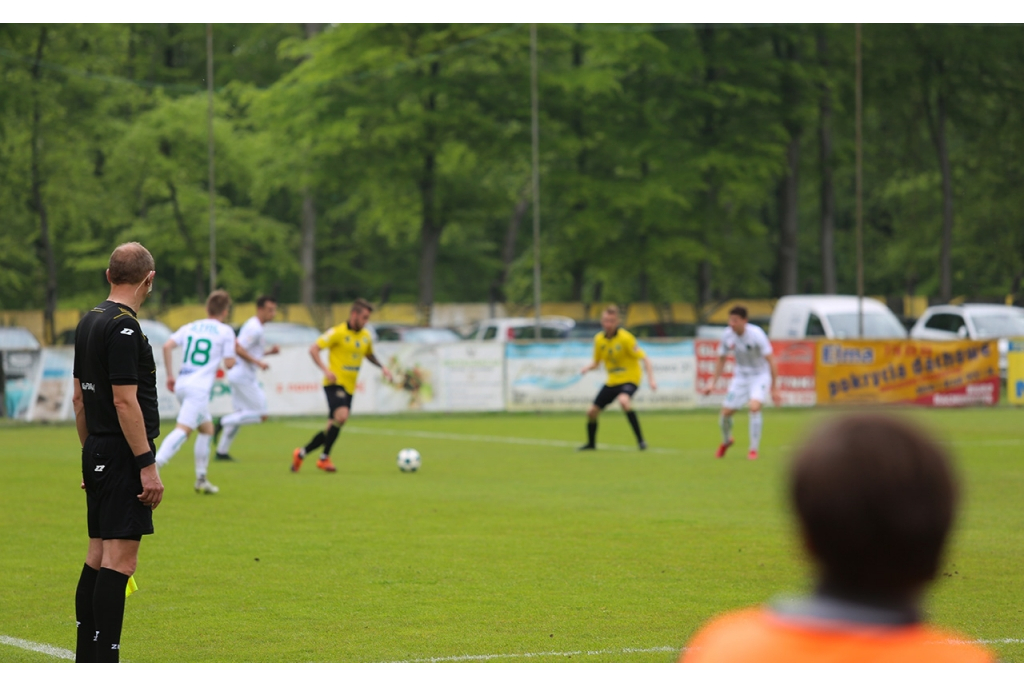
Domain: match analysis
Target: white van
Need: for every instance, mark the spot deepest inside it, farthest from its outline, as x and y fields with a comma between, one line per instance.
x=832, y=316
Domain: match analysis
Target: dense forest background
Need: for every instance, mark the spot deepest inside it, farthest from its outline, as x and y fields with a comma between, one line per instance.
x=678, y=162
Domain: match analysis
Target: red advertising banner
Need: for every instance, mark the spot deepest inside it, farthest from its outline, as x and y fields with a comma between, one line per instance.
x=795, y=360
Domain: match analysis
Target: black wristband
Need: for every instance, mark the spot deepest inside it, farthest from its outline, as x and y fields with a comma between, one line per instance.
x=146, y=459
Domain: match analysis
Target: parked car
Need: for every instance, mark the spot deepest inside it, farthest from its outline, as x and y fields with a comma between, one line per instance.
x=16, y=338
x=156, y=331
x=551, y=328
x=832, y=316
x=281, y=333
x=664, y=329
x=585, y=330
x=973, y=322
x=414, y=334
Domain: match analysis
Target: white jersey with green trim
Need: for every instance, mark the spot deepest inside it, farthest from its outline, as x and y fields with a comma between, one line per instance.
x=205, y=344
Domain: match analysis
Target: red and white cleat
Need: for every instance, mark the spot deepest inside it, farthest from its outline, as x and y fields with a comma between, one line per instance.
x=723, y=447
x=752, y=455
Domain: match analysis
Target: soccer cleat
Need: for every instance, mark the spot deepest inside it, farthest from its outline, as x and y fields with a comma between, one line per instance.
x=326, y=465
x=583, y=448
x=752, y=455
x=223, y=457
x=723, y=447
x=296, y=459
x=642, y=445
x=206, y=487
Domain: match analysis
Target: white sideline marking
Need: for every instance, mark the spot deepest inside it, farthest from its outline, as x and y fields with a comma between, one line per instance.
x=530, y=655
x=57, y=652
x=507, y=440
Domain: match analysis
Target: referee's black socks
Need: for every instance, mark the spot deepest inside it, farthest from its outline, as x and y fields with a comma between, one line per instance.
x=108, y=605
x=635, y=423
x=85, y=645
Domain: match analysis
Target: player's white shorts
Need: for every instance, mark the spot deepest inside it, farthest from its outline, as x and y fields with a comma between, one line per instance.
x=745, y=389
x=195, y=405
x=248, y=397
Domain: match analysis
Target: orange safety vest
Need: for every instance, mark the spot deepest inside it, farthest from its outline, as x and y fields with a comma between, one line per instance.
x=758, y=635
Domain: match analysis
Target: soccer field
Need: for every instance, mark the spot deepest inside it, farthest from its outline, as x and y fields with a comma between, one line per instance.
x=507, y=546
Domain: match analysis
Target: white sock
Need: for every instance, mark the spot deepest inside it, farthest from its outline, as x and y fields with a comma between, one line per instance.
x=756, y=424
x=202, y=454
x=725, y=423
x=227, y=437
x=170, y=446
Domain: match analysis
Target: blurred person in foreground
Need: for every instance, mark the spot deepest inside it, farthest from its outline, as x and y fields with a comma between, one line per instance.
x=875, y=499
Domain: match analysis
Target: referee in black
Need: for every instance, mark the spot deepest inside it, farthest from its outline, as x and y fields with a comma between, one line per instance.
x=117, y=419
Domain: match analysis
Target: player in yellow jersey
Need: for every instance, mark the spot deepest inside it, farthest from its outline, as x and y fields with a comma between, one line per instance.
x=618, y=349
x=347, y=345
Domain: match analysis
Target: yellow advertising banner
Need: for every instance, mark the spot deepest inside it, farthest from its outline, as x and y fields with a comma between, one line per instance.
x=940, y=374
x=1015, y=378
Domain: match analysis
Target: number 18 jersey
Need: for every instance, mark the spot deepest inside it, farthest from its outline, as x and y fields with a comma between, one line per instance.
x=204, y=343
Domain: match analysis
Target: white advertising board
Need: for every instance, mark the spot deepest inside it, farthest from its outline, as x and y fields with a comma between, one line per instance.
x=450, y=377
x=546, y=376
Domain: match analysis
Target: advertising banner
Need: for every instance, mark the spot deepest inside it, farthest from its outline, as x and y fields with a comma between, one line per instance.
x=1015, y=372
x=546, y=376
x=21, y=372
x=52, y=393
x=794, y=360
x=450, y=377
x=940, y=374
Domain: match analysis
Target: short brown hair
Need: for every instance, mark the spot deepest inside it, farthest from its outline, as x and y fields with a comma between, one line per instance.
x=262, y=300
x=876, y=498
x=218, y=302
x=611, y=309
x=130, y=263
x=740, y=311
x=361, y=305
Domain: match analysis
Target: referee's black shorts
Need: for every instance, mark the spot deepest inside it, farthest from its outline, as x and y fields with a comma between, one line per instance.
x=337, y=397
x=608, y=394
x=112, y=487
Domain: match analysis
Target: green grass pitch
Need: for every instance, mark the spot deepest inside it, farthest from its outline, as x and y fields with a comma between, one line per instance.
x=506, y=543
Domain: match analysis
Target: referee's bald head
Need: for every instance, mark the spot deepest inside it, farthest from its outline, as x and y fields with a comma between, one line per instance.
x=130, y=263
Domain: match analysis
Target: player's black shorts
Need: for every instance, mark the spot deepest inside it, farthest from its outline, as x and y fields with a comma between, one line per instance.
x=337, y=396
x=610, y=392
x=112, y=487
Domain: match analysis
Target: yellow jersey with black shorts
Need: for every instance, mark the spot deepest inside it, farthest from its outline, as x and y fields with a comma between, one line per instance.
x=345, y=352
x=621, y=356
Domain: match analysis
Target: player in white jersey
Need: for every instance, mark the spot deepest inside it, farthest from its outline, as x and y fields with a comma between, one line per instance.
x=249, y=400
x=207, y=342
x=753, y=379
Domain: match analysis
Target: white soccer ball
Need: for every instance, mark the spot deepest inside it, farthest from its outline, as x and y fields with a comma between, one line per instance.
x=408, y=460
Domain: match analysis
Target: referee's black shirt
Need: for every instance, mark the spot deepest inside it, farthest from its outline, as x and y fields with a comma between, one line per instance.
x=110, y=350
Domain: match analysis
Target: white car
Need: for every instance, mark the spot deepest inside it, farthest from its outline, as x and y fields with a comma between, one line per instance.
x=499, y=330
x=972, y=322
x=796, y=317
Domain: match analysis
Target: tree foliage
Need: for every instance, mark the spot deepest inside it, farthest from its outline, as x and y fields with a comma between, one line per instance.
x=678, y=163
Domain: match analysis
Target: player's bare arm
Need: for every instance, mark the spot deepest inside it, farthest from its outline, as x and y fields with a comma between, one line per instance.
x=710, y=385
x=129, y=415
x=649, y=370
x=372, y=358
x=78, y=403
x=314, y=352
x=229, y=363
x=168, y=346
x=274, y=349
x=589, y=367
x=240, y=351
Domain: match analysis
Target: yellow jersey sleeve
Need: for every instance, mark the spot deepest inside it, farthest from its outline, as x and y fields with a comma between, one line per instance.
x=327, y=339
x=597, y=347
x=630, y=344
